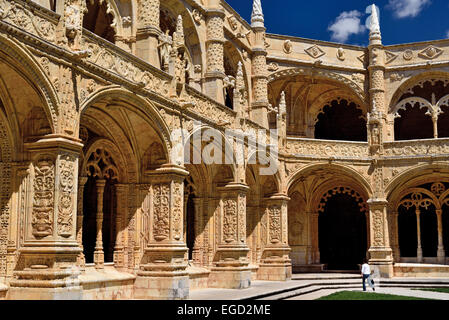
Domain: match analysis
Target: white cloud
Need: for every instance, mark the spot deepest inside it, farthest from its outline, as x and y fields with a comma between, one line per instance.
x=346, y=24
x=407, y=8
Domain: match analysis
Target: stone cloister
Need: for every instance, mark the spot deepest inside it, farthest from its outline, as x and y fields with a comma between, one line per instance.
x=95, y=204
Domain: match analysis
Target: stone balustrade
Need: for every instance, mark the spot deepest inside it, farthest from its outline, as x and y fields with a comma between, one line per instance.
x=324, y=149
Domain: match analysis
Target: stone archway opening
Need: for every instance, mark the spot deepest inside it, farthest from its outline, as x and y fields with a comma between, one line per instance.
x=410, y=119
x=341, y=120
x=423, y=223
x=100, y=196
x=342, y=232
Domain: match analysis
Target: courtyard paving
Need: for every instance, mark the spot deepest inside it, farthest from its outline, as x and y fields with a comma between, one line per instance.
x=314, y=286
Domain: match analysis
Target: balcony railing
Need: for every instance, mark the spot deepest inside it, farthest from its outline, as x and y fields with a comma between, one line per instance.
x=417, y=148
x=325, y=149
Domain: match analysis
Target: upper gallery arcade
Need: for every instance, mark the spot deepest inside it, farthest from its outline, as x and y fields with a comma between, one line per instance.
x=92, y=195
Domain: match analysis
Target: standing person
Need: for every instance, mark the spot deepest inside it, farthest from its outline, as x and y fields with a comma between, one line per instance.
x=366, y=275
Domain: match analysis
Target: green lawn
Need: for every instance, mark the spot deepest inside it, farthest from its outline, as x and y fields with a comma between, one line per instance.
x=352, y=295
x=443, y=290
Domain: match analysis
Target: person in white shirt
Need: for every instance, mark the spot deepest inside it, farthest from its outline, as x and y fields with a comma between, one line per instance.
x=366, y=275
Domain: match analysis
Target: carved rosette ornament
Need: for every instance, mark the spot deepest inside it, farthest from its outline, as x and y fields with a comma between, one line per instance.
x=66, y=192
x=43, y=199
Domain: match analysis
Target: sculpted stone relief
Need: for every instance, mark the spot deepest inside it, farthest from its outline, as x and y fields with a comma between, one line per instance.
x=111, y=61
x=43, y=199
x=308, y=147
x=177, y=210
x=229, y=220
x=378, y=228
x=275, y=227
x=19, y=15
x=161, y=214
x=66, y=192
x=417, y=148
x=5, y=194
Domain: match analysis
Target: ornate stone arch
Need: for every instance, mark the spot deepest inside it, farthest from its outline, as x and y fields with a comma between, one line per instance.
x=109, y=154
x=351, y=85
x=359, y=180
x=415, y=176
x=226, y=144
x=346, y=185
x=317, y=106
x=127, y=152
x=9, y=122
x=415, y=80
x=15, y=55
x=142, y=105
x=276, y=175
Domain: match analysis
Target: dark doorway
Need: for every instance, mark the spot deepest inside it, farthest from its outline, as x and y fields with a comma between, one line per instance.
x=89, y=219
x=413, y=124
x=446, y=229
x=190, y=221
x=341, y=121
x=342, y=233
x=408, y=239
x=429, y=232
x=443, y=123
x=408, y=235
x=109, y=217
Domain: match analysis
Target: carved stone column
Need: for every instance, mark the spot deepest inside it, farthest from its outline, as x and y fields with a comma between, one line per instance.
x=215, y=52
x=441, y=252
x=231, y=266
x=381, y=255
x=275, y=264
x=47, y=266
x=162, y=273
x=99, y=253
x=259, y=107
x=148, y=32
x=119, y=248
x=79, y=222
x=418, y=230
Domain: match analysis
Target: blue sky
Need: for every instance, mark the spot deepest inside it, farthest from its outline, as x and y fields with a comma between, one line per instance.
x=402, y=21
